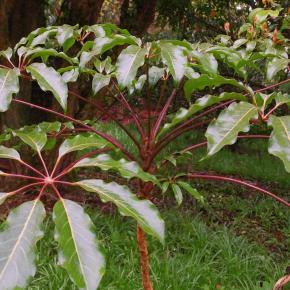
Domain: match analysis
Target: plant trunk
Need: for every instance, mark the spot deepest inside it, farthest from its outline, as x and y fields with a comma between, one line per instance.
x=144, y=259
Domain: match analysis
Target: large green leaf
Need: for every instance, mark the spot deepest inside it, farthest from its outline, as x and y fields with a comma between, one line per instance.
x=9, y=85
x=201, y=103
x=99, y=82
x=279, y=143
x=127, y=169
x=208, y=63
x=9, y=153
x=3, y=195
x=128, y=62
x=81, y=142
x=232, y=120
x=145, y=213
x=34, y=137
x=276, y=65
x=78, y=248
x=50, y=80
x=18, y=242
x=173, y=56
x=204, y=81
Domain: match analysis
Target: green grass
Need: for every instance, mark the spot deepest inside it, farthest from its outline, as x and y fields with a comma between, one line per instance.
x=194, y=257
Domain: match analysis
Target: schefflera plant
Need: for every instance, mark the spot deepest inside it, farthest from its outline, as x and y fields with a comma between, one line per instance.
x=168, y=69
x=79, y=251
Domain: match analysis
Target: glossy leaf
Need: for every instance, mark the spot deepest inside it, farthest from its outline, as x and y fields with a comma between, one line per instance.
x=100, y=81
x=207, y=61
x=79, y=253
x=225, y=129
x=201, y=103
x=173, y=56
x=276, y=65
x=177, y=193
x=128, y=169
x=279, y=142
x=34, y=137
x=9, y=153
x=128, y=63
x=204, y=81
x=9, y=85
x=143, y=211
x=18, y=242
x=192, y=191
x=50, y=80
x=81, y=142
x=4, y=195
x=155, y=74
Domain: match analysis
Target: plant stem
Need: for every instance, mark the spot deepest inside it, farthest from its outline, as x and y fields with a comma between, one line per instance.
x=144, y=259
x=109, y=138
x=163, y=114
x=109, y=115
x=31, y=168
x=240, y=182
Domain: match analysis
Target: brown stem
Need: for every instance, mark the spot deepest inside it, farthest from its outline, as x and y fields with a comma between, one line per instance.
x=144, y=259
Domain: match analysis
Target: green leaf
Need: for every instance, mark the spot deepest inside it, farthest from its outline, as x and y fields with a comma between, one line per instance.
x=192, y=191
x=34, y=137
x=50, y=80
x=100, y=81
x=173, y=56
x=7, y=53
x=232, y=120
x=9, y=85
x=18, y=243
x=177, y=193
x=204, y=81
x=70, y=75
x=276, y=65
x=128, y=63
x=79, y=253
x=155, y=74
x=3, y=195
x=259, y=15
x=279, y=142
x=143, y=211
x=81, y=142
x=128, y=169
x=64, y=33
x=9, y=153
x=208, y=63
x=164, y=187
x=201, y=103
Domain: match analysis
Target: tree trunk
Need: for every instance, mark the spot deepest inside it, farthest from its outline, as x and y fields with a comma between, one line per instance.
x=83, y=12
x=144, y=259
x=18, y=18
x=137, y=19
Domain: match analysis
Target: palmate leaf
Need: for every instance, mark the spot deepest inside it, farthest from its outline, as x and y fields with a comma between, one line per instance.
x=9, y=153
x=204, y=81
x=174, y=57
x=201, y=103
x=128, y=62
x=34, y=137
x=9, y=85
x=18, y=242
x=232, y=120
x=279, y=142
x=81, y=142
x=78, y=249
x=143, y=211
x=50, y=80
x=125, y=168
